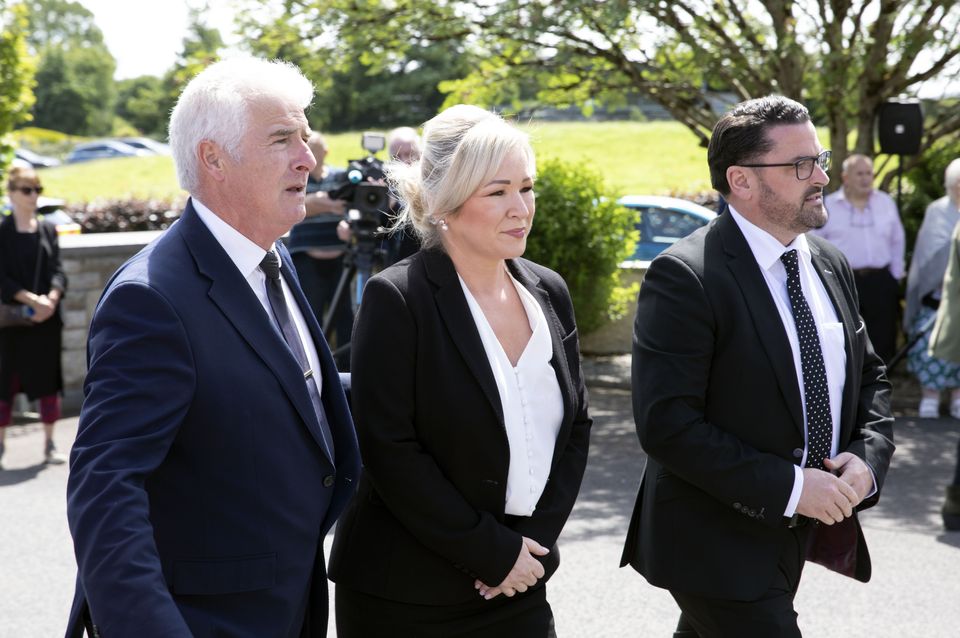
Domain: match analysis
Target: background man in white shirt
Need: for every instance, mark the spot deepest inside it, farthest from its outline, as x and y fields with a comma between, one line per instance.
x=865, y=225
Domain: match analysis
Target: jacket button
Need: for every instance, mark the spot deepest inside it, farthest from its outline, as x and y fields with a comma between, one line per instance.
x=328, y=481
x=798, y=453
x=737, y=506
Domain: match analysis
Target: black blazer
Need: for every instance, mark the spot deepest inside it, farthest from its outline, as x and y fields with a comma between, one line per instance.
x=16, y=275
x=719, y=413
x=428, y=517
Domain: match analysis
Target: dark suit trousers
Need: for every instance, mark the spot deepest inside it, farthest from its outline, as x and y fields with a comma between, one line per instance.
x=880, y=308
x=770, y=616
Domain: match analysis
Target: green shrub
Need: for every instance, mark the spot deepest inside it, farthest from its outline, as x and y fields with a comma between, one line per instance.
x=580, y=232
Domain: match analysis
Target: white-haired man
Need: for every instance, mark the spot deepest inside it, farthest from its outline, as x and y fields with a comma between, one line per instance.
x=215, y=446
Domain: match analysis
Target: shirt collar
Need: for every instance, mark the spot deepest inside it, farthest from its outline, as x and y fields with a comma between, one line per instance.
x=765, y=247
x=243, y=252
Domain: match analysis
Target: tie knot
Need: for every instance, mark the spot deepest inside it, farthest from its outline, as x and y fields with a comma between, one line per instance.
x=789, y=260
x=271, y=265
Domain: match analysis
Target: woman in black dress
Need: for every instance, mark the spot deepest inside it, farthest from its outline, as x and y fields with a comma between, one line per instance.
x=30, y=355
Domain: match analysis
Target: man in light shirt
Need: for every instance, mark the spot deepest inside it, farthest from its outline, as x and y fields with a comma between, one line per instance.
x=762, y=408
x=864, y=224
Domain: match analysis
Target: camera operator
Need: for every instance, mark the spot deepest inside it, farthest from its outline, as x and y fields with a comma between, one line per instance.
x=403, y=145
x=318, y=249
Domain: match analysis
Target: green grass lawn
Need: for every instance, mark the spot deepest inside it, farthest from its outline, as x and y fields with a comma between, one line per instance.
x=634, y=157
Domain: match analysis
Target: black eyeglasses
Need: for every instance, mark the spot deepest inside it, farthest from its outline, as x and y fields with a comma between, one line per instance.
x=29, y=190
x=804, y=165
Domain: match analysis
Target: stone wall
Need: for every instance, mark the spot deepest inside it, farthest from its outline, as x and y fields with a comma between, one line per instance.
x=89, y=261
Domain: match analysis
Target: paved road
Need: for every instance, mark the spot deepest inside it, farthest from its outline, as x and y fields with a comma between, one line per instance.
x=915, y=590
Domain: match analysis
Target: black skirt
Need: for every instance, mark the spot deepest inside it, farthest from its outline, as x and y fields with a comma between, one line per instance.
x=32, y=355
x=526, y=615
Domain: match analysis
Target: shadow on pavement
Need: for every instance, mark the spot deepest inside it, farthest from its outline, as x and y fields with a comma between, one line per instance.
x=21, y=474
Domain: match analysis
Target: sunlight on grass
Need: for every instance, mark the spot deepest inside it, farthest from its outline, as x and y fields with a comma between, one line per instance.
x=120, y=178
x=655, y=158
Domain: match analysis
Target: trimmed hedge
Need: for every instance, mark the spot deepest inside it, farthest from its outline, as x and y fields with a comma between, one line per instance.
x=118, y=215
x=580, y=232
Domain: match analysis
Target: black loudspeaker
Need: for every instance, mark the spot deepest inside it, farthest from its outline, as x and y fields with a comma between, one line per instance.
x=900, y=127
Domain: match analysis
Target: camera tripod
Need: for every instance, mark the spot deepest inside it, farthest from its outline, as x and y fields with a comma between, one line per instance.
x=358, y=265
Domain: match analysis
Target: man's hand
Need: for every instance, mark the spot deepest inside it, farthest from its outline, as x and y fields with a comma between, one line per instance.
x=319, y=202
x=525, y=573
x=853, y=471
x=826, y=497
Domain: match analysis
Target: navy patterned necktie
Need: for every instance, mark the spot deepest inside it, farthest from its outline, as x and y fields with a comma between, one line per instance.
x=815, y=390
x=271, y=268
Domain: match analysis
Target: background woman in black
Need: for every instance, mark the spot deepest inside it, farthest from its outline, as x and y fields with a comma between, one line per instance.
x=469, y=404
x=30, y=356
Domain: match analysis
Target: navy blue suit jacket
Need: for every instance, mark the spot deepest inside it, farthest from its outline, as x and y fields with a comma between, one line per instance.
x=200, y=489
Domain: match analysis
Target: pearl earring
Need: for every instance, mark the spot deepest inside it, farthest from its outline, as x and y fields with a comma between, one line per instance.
x=444, y=226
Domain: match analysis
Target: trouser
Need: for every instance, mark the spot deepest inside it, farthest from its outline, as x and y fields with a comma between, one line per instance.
x=880, y=308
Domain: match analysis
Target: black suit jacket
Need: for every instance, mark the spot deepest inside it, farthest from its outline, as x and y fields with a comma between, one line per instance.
x=718, y=411
x=200, y=487
x=428, y=517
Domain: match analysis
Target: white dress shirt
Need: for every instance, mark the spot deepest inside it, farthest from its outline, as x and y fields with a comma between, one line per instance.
x=767, y=250
x=247, y=256
x=531, y=401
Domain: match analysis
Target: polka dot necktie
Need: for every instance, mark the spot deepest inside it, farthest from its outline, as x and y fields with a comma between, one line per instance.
x=815, y=392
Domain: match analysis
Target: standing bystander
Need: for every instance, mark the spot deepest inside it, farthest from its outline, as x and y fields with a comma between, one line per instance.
x=864, y=223
x=924, y=286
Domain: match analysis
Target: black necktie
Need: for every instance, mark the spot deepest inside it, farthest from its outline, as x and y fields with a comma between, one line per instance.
x=815, y=390
x=271, y=268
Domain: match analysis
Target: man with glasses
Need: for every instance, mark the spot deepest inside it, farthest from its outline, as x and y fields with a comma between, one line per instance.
x=763, y=410
x=864, y=224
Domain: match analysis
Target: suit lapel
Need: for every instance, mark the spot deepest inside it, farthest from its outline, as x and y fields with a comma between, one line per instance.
x=230, y=292
x=459, y=322
x=843, y=308
x=763, y=310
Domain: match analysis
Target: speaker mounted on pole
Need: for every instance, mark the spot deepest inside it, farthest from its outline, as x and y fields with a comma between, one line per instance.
x=900, y=127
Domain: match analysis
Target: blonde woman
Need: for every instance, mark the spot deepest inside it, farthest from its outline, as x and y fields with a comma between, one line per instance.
x=469, y=405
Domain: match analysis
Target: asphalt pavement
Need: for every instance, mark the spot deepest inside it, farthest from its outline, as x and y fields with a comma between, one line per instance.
x=915, y=590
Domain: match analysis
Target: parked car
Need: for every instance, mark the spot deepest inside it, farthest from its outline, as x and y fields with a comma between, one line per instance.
x=663, y=220
x=147, y=144
x=103, y=149
x=35, y=160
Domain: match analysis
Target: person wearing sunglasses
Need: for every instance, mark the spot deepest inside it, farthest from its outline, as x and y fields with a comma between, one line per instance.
x=758, y=399
x=31, y=275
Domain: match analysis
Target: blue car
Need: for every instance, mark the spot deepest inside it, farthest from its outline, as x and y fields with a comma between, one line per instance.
x=663, y=220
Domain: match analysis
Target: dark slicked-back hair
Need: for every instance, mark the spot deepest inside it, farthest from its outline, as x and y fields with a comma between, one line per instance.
x=741, y=134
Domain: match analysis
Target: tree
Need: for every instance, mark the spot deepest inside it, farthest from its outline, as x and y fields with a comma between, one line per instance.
x=844, y=58
x=75, y=88
x=141, y=102
x=16, y=78
x=356, y=87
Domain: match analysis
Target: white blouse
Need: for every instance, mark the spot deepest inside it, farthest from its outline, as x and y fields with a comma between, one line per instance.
x=531, y=401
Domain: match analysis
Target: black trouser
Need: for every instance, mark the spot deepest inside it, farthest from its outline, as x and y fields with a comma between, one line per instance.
x=880, y=308
x=771, y=615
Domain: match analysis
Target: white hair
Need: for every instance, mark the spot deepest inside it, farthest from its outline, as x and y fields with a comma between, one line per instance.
x=463, y=147
x=952, y=175
x=215, y=105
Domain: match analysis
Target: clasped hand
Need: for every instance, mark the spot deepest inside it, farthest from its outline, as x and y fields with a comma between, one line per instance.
x=831, y=496
x=525, y=573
